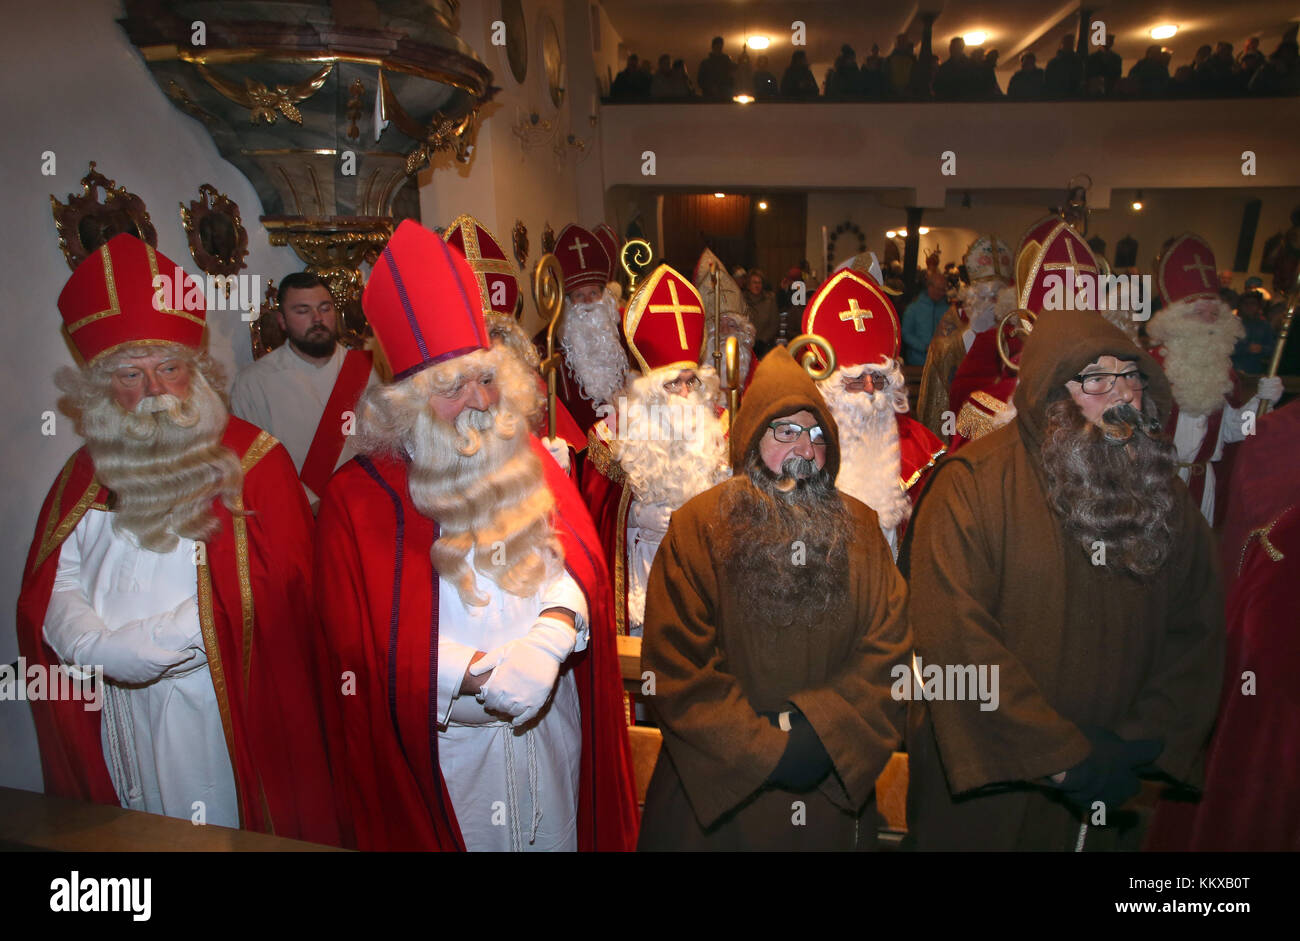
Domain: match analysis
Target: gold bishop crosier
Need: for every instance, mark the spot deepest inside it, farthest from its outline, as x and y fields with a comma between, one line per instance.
x=717, y=317
x=1293, y=300
x=823, y=351
x=1024, y=326
x=636, y=254
x=548, y=292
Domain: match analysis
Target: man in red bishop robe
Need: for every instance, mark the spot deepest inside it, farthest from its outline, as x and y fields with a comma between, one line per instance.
x=174, y=553
x=662, y=442
x=1196, y=332
x=464, y=597
x=885, y=453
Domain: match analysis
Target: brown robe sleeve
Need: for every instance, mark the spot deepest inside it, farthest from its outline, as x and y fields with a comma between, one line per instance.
x=722, y=750
x=858, y=721
x=954, y=580
x=1179, y=701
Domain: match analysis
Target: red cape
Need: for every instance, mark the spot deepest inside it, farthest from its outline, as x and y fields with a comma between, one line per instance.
x=919, y=449
x=258, y=628
x=982, y=370
x=378, y=597
x=607, y=495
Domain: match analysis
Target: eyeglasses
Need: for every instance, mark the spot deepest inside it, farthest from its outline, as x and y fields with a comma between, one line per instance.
x=879, y=381
x=676, y=385
x=1099, y=383
x=787, y=432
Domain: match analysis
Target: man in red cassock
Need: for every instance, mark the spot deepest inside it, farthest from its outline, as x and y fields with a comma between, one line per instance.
x=660, y=444
x=1196, y=332
x=886, y=453
x=174, y=553
x=462, y=591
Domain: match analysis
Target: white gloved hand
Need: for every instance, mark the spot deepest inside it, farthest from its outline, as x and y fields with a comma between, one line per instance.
x=1270, y=389
x=128, y=655
x=651, y=515
x=525, y=670
x=559, y=449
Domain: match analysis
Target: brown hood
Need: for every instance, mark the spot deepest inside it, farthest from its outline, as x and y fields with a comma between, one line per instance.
x=781, y=387
x=1063, y=342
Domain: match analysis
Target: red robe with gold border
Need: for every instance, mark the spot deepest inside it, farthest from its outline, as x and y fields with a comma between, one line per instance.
x=378, y=597
x=258, y=631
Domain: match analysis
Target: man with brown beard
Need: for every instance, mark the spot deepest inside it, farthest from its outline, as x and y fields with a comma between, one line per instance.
x=663, y=443
x=174, y=551
x=461, y=587
x=773, y=618
x=1062, y=552
x=1196, y=332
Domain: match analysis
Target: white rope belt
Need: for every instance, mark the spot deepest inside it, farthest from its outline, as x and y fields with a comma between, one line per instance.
x=120, y=729
x=512, y=794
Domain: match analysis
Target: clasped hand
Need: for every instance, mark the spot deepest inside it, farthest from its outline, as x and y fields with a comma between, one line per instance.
x=524, y=670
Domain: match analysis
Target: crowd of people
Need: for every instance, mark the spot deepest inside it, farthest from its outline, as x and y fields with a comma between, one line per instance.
x=970, y=74
x=390, y=618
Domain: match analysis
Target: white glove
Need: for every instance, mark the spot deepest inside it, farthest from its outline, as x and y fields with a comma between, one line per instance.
x=525, y=670
x=129, y=654
x=651, y=515
x=1270, y=389
x=559, y=449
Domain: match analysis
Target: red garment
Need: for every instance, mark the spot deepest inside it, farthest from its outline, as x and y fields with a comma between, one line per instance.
x=919, y=449
x=378, y=597
x=982, y=370
x=265, y=671
x=608, y=497
x=1252, y=773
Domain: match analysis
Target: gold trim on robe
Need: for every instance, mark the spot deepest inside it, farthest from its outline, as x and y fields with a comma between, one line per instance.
x=213, y=649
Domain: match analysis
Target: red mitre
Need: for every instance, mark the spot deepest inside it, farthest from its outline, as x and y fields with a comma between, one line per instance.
x=423, y=302
x=611, y=242
x=853, y=315
x=111, y=301
x=1186, y=271
x=1037, y=232
x=488, y=261
x=664, y=322
x=1051, y=252
x=582, y=258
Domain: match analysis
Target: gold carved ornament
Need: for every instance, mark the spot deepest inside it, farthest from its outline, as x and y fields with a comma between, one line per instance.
x=548, y=292
x=263, y=102
x=85, y=223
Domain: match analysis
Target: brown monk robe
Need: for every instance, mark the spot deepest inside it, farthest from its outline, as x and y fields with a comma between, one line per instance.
x=1000, y=563
x=764, y=601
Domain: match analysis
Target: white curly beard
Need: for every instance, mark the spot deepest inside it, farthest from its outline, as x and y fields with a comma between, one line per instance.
x=590, y=342
x=671, y=447
x=1197, y=354
x=986, y=301
x=870, y=455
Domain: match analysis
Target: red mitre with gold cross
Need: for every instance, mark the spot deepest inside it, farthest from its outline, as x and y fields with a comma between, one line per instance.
x=853, y=315
x=423, y=302
x=1186, y=271
x=664, y=322
x=1037, y=232
x=582, y=258
x=1050, y=252
x=487, y=259
x=111, y=301
x=611, y=242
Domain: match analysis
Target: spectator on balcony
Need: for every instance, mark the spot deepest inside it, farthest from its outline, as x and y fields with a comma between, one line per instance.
x=1249, y=49
x=1150, y=73
x=1028, y=83
x=798, y=80
x=681, y=80
x=743, y=77
x=631, y=84
x=661, y=81
x=1184, y=83
x=899, y=65
x=989, y=87
x=955, y=77
x=765, y=84
x=1280, y=75
x=846, y=78
x=872, y=73
x=1063, y=77
x=716, y=76
x=1104, y=67
x=922, y=317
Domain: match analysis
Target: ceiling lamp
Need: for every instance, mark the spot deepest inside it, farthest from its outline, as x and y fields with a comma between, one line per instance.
x=743, y=99
x=976, y=38
x=1137, y=202
x=902, y=233
x=758, y=42
x=762, y=205
x=1164, y=31
x=719, y=195
x=923, y=230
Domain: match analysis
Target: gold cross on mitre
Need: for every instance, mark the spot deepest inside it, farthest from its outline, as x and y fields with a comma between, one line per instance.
x=577, y=246
x=1072, y=263
x=857, y=315
x=676, y=308
x=1200, y=267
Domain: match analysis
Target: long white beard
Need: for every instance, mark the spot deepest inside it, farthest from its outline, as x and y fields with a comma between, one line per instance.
x=1197, y=354
x=986, y=301
x=671, y=447
x=870, y=454
x=591, y=347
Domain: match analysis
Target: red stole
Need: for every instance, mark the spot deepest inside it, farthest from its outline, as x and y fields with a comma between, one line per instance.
x=327, y=445
x=253, y=606
x=378, y=598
